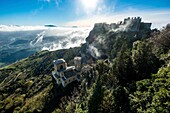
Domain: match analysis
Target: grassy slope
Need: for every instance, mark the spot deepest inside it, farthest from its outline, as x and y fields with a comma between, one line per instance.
x=27, y=84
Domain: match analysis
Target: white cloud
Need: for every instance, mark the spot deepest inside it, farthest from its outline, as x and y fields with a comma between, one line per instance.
x=159, y=18
x=66, y=37
x=47, y=0
x=44, y=1
x=47, y=38
x=57, y=2
x=93, y=51
x=34, y=12
x=21, y=28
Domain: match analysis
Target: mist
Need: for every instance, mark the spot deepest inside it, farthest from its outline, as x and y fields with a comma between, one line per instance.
x=42, y=38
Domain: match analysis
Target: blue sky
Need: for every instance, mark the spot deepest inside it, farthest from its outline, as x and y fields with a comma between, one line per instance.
x=81, y=12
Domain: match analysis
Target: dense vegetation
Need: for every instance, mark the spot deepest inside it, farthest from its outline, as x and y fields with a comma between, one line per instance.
x=135, y=79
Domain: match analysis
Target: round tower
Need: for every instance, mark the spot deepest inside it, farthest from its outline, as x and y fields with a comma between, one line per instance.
x=59, y=65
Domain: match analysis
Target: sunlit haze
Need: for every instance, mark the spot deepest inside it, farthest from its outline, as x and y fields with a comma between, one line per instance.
x=82, y=12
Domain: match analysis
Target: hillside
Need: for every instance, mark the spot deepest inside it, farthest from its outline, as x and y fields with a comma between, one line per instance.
x=28, y=83
x=133, y=76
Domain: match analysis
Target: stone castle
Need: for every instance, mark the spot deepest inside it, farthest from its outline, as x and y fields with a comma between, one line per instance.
x=129, y=24
x=63, y=74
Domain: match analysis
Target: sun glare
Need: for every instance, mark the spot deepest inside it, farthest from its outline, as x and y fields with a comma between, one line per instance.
x=91, y=4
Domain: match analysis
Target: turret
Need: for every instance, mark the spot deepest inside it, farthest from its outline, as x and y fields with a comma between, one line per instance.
x=65, y=75
x=77, y=62
x=59, y=65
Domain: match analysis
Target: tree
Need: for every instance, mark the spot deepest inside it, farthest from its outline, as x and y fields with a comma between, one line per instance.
x=94, y=104
x=144, y=61
x=108, y=103
x=121, y=100
x=152, y=95
x=123, y=67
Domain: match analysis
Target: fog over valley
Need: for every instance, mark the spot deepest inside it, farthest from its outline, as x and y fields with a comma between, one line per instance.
x=26, y=40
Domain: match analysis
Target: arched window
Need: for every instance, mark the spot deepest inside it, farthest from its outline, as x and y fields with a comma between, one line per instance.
x=61, y=67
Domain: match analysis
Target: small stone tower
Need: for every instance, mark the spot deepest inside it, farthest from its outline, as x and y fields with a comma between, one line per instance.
x=59, y=65
x=77, y=62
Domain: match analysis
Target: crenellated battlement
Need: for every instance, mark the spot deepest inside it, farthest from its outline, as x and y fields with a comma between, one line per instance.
x=128, y=24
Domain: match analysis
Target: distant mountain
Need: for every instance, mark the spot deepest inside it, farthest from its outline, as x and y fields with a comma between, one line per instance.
x=74, y=27
x=50, y=25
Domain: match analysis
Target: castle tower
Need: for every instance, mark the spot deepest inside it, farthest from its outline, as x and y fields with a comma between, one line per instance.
x=133, y=23
x=77, y=62
x=59, y=65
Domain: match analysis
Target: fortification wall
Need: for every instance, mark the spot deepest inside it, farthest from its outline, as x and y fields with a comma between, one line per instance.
x=129, y=24
x=145, y=26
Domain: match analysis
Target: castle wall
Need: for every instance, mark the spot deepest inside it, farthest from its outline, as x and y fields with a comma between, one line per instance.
x=129, y=24
x=132, y=24
x=145, y=26
x=69, y=80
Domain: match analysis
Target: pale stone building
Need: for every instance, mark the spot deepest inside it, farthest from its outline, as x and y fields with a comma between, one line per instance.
x=77, y=62
x=64, y=74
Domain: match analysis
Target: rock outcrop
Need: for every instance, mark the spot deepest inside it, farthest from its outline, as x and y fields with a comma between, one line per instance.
x=98, y=41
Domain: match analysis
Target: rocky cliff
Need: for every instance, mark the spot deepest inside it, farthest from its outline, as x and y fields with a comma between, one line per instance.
x=104, y=37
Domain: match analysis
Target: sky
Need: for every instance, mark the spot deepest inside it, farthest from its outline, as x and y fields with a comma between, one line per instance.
x=82, y=12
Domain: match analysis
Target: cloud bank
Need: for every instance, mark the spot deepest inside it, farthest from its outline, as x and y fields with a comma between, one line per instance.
x=63, y=38
x=52, y=39
x=10, y=28
x=43, y=38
